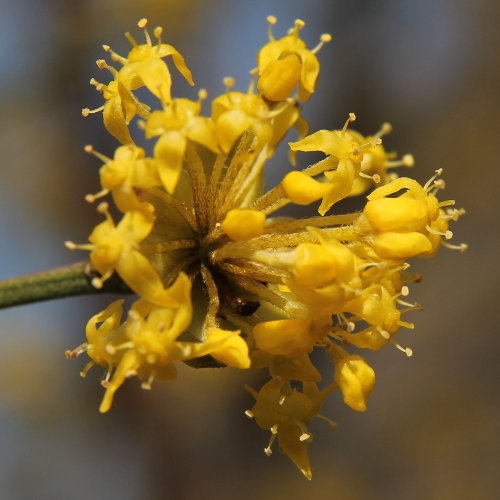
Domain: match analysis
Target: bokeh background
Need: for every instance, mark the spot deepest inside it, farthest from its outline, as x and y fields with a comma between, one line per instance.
x=431, y=68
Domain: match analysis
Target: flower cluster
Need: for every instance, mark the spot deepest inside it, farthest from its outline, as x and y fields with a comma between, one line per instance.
x=220, y=280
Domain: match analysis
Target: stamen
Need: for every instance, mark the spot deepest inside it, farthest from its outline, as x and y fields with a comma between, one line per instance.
x=86, y=368
x=254, y=73
x=89, y=149
x=375, y=177
x=462, y=247
x=97, y=283
x=333, y=425
x=304, y=437
x=448, y=234
x=455, y=213
x=384, y=333
x=146, y=385
x=325, y=38
x=142, y=24
x=299, y=24
x=268, y=450
x=385, y=128
x=446, y=203
x=202, y=95
x=157, y=32
x=229, y=82
x=406, y=350
x=405, y=324
x=429, y=184
x=131, y=39
x=271, y=20
x=352, y=117
x=114, y=55
x=90, y=198
x=86, y=111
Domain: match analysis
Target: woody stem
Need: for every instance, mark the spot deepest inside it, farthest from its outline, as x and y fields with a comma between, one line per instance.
x=66, y=281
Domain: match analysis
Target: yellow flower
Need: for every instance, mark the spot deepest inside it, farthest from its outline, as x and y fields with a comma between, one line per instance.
x=234, y=112
x=286, y=413
x=223, y=277
x=128, y=169
x=283, y=64
x=176, y=124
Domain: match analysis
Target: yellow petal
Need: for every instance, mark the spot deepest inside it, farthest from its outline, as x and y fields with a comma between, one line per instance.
x=136, y=271
x=242, y=224
x=397, y=214
x=169, y=151
x=400, y=246
x=130, y=362
x=303, y=189
x=356, y=380
x=202, y=130
x=289, y=337
x=233, y=351
x=279, y=78
x=114, y=120
x=314, y=266
x=230, y=126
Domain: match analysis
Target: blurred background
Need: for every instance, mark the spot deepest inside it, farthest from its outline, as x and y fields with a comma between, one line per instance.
x=431, y=68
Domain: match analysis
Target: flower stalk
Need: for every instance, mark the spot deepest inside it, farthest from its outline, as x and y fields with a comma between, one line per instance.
x=65, y=281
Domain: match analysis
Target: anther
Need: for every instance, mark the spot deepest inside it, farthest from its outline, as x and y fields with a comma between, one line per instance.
x=462, y=247
x=202, y=94
x=386, y=128
x=325, y=38
x=103, y=207
x=97, y=283
x=157, y=32
x=405, y=291
x=272, y=19
x=101, y=63
x=142, y=23
x=406, y=350
x=408, y=160
x=385, y=334
x=110, y=349
x=440, y=184
x=229, y=82
x=70, y=245
x=249, y=414
x=304, y=437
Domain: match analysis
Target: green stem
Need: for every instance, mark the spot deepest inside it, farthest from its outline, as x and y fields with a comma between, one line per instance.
x=65, y=281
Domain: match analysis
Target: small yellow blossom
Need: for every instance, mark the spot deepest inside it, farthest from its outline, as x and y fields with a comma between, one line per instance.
x=285, y=63
x=286, y=413
x=223, y=277
x=354, y=376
